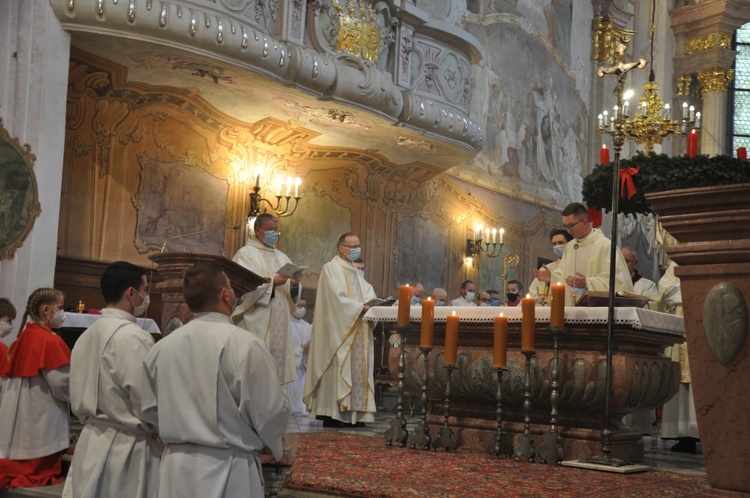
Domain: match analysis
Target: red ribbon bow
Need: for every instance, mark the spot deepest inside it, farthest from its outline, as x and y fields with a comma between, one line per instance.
x=626, y=181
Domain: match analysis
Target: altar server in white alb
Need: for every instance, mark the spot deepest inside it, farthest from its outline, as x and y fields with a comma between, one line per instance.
x=339, y=381
x=584, y=265
x=213, y=391
x=266, y=311
x=302, y=332
x=117, y=452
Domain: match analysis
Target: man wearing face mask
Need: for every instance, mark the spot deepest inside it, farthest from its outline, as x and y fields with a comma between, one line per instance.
x=117, y=453
x=417, y=290
x=558, y=239
x=267, y=311
x=339, y=386
x=440, y=296
x=494, y=297
x=301, y=331
x=513, y=292
x=467, y=295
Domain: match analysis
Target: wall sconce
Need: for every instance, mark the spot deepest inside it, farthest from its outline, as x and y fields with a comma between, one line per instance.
x=491, y=246
x=285, y=204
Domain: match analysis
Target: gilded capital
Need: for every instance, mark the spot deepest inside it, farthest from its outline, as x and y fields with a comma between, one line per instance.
x=715, y=79
x=683, y=85
x=707, y=42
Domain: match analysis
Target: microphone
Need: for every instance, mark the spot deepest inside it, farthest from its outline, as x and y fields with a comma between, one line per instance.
x=164, y=245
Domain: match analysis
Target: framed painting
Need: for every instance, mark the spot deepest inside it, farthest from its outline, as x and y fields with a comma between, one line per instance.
x=19, y=197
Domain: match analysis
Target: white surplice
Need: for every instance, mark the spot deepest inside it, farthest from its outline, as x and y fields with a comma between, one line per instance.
x=268, y=317
x=301, y=332
x=116, y=454
x=213, y=391
x=339, y=378
x=590, y=257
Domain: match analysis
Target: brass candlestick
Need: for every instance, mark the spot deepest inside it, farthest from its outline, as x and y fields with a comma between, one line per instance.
x=499, y=446
x=525, y=446
x=551, y=447
x=446, y=439
x=543, y=291
x=422, y=430
x=397, y=431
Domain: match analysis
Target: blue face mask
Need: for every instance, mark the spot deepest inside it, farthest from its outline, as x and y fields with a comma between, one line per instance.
x=270, y=237
x=415, y=301
x=494, y=302
x=439, y=303
x=354, y=254
x=558, y=250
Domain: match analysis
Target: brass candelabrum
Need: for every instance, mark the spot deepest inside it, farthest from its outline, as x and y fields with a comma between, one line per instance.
x=285, y=205
x=421, y=436
x=397, y=431
x=525, y=447
x=499, y=446
x=551, y=448
x=445, y=438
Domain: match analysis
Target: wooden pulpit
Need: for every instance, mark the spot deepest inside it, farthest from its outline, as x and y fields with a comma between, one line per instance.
x=172, y=266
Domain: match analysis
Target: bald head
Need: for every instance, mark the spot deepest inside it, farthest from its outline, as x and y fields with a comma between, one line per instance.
x=630, y=259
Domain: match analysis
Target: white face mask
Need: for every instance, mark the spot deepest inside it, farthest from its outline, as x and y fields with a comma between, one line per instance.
x=299, y=312
x=470, y=296
x=5, y=329
x=141, y=308
x=57, y=320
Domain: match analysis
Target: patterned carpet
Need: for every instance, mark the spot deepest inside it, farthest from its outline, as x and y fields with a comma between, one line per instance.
x=363, y=466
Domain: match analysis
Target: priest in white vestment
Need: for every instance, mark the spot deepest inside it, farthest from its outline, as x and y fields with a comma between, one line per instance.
x=266, y=311
x=339, y=380
x=584, y=265
x=117, y=452
x=301, y=333
x=558, y=239
x=641, y=285
x=214, y=394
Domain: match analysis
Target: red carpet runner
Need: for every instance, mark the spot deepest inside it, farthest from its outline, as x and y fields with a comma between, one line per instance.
x=363, y=466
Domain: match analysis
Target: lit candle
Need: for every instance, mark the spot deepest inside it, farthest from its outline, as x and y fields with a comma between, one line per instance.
x=486, y=234
x=644, y=108
x=606, y=118
x=404, y=304
x=625, y=108
x=614, y=114
x=697, y=119
x=742, y=153
x=692, y=143
x=257, y=177
x=289, y=183
x=601, y=120
x=428, y=323
x=684, y=110
x=279, y=185
x=502, y=231
x=527, y=323
x=297, y=183
x=692, y=113
x=557, y=303
x=666, y=111
x=451, y=339
x=500, y=351
x=478, y=232
x=494, y=235
x=604, y=155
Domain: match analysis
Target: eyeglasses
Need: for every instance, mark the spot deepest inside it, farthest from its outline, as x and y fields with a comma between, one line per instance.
x=350, y=247
x=570, y=226
x=486, y=300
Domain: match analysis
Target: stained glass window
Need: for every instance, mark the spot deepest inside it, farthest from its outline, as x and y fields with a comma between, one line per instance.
x=741, y=129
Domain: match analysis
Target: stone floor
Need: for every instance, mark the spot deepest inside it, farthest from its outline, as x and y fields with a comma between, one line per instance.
x=658, y=454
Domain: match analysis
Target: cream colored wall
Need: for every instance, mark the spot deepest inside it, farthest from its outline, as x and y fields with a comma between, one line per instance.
x=33, y=84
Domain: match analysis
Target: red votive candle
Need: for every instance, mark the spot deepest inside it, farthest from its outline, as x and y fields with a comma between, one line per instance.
x=692, y=143
x=742, y=153
x=604, y=154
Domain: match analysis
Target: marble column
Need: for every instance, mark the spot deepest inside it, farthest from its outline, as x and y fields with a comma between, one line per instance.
x=714, y=84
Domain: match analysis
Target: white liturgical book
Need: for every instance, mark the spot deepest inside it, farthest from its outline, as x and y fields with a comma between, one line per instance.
x=290, y=269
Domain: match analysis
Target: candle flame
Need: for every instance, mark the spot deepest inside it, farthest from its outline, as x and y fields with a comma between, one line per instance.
x=528, y=296
x=500, y=314
x=454, y=313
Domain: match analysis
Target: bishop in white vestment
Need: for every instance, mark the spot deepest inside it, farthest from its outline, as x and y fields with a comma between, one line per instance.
x=339, y=380
x=266, y=311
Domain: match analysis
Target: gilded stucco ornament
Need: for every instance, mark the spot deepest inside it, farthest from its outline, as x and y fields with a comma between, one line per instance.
x=725, y=321
x=606, y=39
x=707, y=42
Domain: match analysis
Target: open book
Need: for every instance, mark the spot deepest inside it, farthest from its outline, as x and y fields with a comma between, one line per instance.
x=290, y=269
x=622, y=299
x=380, y=302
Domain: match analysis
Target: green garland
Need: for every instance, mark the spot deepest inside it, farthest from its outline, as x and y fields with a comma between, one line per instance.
x=660, y=172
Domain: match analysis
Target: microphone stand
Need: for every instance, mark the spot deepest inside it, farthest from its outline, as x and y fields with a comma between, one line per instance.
x=164, y=245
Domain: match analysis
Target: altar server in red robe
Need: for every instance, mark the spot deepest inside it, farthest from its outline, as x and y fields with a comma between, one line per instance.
x=34, y=411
